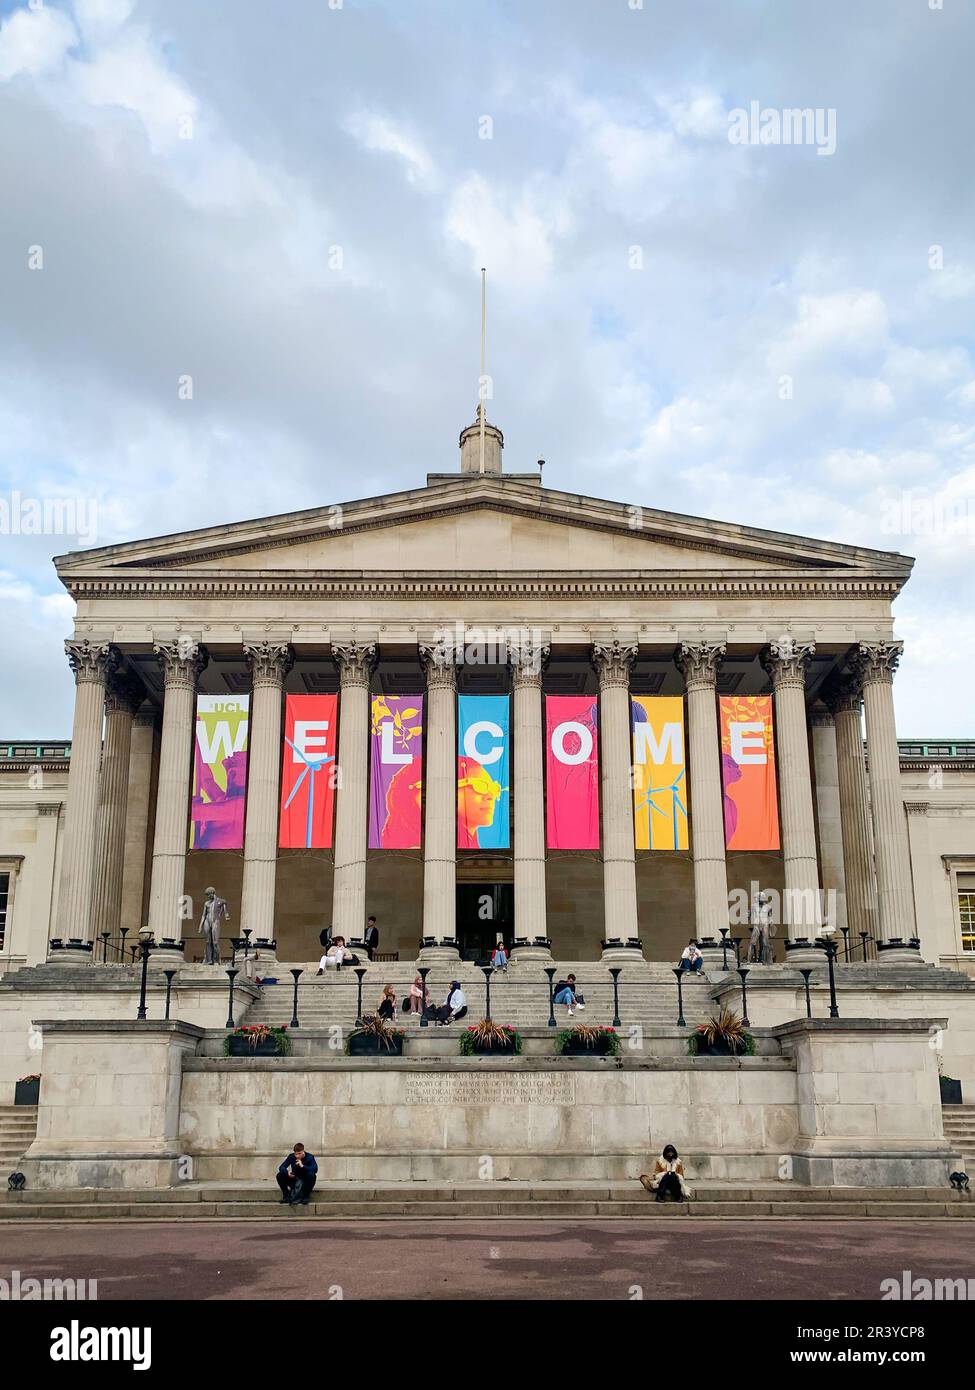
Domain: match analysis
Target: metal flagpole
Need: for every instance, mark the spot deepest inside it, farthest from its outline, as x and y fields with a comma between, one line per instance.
x=481, y=383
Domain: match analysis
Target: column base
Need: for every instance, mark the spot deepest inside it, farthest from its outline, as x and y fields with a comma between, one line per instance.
x=804, y=952
x=264, y=952
x=73, y=951
x=534, y=948
x=169, y=951
x=622, y=951
x=433, y=952
x=899, y=952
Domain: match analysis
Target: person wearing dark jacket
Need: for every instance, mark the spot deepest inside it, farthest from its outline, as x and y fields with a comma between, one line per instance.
x=325, y=937
x=297, y=1176
x=371, y=938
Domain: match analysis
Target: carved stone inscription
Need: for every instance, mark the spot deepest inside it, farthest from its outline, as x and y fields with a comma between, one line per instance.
x=497, y=1088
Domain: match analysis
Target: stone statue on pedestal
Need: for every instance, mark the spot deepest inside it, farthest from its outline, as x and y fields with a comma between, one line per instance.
x=215, y=912
x=763, y=929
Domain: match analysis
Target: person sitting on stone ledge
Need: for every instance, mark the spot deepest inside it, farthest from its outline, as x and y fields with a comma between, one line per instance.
x=418, y=996
x=567, y=993
x=499, y=957
x=335, y=955
x=455, y=1005
x=297, y=1176
x=387, y=1004
x=667, y=1178
x=691, y=961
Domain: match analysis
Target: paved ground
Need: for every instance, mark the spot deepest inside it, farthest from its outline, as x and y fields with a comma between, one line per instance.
x=585, y=1259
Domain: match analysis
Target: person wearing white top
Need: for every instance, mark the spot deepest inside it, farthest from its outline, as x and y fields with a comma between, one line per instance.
x=334, y=956
x=455, y=1006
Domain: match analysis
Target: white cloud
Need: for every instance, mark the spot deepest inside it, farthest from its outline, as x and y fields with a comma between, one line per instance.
x=34, y=42
x=379, y=133
x=513, y=232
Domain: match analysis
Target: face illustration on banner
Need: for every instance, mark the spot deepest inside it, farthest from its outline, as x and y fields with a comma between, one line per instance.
x=219, y=772
x=571, y=772
x=751, y=818
x=482, y=772
x=659, y=772
x=307, y=772
x=396, y=762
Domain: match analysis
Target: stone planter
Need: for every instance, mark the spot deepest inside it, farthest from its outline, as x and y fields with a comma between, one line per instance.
x=367, y=1045
x=267, y=1047
x=950, y=1090
x=505, y=1049
x=719, y=1048
x=27, y=1092
x=575, y=1047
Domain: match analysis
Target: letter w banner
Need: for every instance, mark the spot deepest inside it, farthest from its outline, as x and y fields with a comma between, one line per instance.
x=571, y=772
x=307, y=771
x=751, y=817
x=482, y=772
x=396, y=739
x=219, y=772
x=659, y=772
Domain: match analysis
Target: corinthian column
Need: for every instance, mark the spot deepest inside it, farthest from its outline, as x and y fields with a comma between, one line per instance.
x=269, y=663
x=875, y=663
x=785, y=661
x=123, y=696
x=613, y=661
x=527, y=662
x=843, y=698
x=698, y=662
x=440, y=805
x=182, y=662
x=357, y=661
x=92, y=664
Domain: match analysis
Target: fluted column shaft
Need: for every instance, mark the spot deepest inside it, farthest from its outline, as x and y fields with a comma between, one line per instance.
x=440, y=801
x=828, y=817
x=613, y=661
x=875, y=664
x=785, y=661
x=122, y=699
x=699, y=664
x=182, y=662
x=269, y=663
x=137, y=814
x=843, y=698
x=356, y=661
x=527, y=662
x=92, y=663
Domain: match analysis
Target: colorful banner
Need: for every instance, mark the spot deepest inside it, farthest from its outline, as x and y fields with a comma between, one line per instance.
x=482, y=772
x=571, y=772
x=660, y=795
x=751, y=818
x=308, y=771
x=396, y=759
x=219, y=772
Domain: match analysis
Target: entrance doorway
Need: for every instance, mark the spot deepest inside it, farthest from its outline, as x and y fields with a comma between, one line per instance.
x=485, y=911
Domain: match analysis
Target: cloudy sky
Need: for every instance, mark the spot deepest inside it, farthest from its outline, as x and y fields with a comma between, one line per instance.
x=289, y=203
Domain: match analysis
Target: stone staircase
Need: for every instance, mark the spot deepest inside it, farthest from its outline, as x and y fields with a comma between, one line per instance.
x=485, y=1200
x=959, y=1122
x=518, y=998
x=18, y=1126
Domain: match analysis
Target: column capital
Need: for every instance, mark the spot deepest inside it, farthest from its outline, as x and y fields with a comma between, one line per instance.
x=698, y=662
x=268, y=662
x=147, y=716
x=183, y=661
x=123, y=692
x=785, y=660
x=843, y=694
x=527, y=659
x=356, y=662
x=439, y=662
x=613, y=662
x=92, y=661
x=876, y=662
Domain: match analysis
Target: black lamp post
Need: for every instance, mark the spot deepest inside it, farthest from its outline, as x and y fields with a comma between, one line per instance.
x=170, y=976
x=231, y=975
x=123, y=933
x=680, y=998
x=864, y=938
x=616, y=971
x=736, y=942
x=487, y=991
x=805, y=980
x=423, y=972
x=846, y=942
x=145, y=946
x=830, y=959
x=550, y=972
x=359, y=971
x=104, y=940
x=294, y=1007
x=742, y=973
x=246, y=933
x=724, y=948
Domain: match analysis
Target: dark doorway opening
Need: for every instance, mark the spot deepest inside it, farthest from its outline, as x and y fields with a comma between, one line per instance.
x=485, y=911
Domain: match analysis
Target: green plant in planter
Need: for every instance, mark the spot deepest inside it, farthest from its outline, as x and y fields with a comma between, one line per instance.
x=487, y=1036
x=375, y=1027
x=257, y=1034
x=602, y=1041
x=727, y=1029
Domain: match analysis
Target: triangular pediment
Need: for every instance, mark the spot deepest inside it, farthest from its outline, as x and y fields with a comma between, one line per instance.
x=481, y=525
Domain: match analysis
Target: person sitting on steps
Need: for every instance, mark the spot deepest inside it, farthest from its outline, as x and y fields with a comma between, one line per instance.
x=667, y=1179
x=335, y=955
x=691, y=961
x=455, y=1005
x=387, y=1004
x=297, y=1176
x=566, y=993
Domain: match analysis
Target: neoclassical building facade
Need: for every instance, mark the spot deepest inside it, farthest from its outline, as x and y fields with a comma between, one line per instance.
x=486, y=583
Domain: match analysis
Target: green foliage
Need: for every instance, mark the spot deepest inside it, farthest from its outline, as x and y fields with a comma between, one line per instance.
x=604, y=1042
